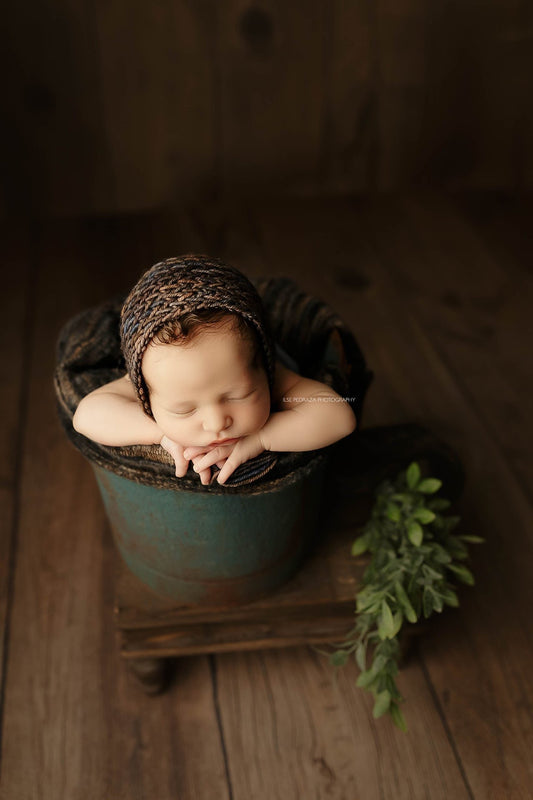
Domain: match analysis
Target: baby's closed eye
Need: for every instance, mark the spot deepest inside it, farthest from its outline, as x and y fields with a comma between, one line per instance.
x=224, y=400
x=241, y=397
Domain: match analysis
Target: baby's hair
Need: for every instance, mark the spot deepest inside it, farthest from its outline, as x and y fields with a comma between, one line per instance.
x=188, y=326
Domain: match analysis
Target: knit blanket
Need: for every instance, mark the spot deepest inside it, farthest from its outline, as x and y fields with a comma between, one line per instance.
x=88, y=355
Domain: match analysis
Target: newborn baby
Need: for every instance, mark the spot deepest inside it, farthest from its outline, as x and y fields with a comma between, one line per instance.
x=203, y=380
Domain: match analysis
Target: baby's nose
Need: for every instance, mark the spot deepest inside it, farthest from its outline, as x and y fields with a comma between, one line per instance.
x=216, y=420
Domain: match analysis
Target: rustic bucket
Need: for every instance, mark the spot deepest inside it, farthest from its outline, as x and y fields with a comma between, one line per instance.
x=210, y=544
x=214, y=548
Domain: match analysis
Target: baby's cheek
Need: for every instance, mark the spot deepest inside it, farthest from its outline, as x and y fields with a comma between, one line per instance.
x=173, y=428
x=261, y=413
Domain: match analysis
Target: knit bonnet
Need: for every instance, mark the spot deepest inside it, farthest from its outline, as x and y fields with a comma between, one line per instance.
x=176, y=286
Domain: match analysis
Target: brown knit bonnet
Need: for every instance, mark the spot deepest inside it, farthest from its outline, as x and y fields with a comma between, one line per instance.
x=176, y=286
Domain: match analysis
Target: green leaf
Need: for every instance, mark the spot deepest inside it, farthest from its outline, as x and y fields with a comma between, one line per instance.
x=429, y=486
x=360, y=656
x=428, y=604
x=413, y=475
x=438, y=602
x=365, y=679
x=441, y=555
x=382, y=704
x=450, y=598
x=368, y=677
x=456, y=548
x=367, y=603
x=386, y=622
x=359, y=546
x=462, y=573
x=393, y=512
x=397, y=717
x=405, y=603
x=378, y=663
x=429, y=572
x=415, y=533
x=424, y=515
x=439, y=504
x=398, y=621
x=472, y=539
x=339, y=658
x=400, y=496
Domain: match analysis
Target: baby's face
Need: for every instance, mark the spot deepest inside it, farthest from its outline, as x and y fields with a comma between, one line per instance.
x=206, y=391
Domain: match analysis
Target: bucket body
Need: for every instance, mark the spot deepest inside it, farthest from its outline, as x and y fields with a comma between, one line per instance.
x=213, y=549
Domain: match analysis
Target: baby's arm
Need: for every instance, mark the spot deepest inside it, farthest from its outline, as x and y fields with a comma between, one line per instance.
x=311, y=415
x=112, y=415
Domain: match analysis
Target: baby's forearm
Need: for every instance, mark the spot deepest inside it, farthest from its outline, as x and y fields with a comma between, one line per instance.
x=116, y=421
x=308, y=427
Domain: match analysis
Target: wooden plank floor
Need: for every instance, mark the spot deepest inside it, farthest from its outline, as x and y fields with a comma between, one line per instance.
x=438, y=291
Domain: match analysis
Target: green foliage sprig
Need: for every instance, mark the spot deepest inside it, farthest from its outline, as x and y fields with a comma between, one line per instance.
x=415, y=562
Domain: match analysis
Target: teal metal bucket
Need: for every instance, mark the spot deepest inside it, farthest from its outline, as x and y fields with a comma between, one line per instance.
x=214, y=549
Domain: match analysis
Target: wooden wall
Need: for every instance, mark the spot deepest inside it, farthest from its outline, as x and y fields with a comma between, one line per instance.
x=127, y=104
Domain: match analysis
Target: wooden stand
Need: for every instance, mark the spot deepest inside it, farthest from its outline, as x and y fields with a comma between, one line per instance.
x=317, y=605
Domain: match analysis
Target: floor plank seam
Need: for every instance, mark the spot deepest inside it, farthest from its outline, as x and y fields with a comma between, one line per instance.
x=28, y=336
x=442, y=716
x=214, y=680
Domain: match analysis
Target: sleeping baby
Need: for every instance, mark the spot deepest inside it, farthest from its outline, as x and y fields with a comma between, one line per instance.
x=205, y=379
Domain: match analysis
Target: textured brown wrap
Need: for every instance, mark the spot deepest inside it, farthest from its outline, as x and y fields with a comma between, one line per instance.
x=88, y=354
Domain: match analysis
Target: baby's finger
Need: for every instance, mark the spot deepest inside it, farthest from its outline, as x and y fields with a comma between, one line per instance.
x=205, y=462
x=192, y=452
x=182, y=465
x=176, y=451
x=226, y=471
x=202, y=462
x=205, y=476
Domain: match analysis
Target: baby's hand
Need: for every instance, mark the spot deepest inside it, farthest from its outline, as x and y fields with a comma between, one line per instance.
x=226, y=456
x=176, y=451
x=207, y=456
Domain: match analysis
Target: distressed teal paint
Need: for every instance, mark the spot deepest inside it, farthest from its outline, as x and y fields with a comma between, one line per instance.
x=198, y=547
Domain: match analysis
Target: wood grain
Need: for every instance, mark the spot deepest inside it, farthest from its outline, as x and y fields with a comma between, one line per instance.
x=423, y=382
x=296, y=238
x=270, y=65
x=16, y=304
x=121, y=106
x=286, y=708
x=350, y=148
x=159, y=100
x=55, y=145
x=436, y=291
x=83, y=727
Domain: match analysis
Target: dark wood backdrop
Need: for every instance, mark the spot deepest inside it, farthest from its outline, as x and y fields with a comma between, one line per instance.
x=127, y=105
